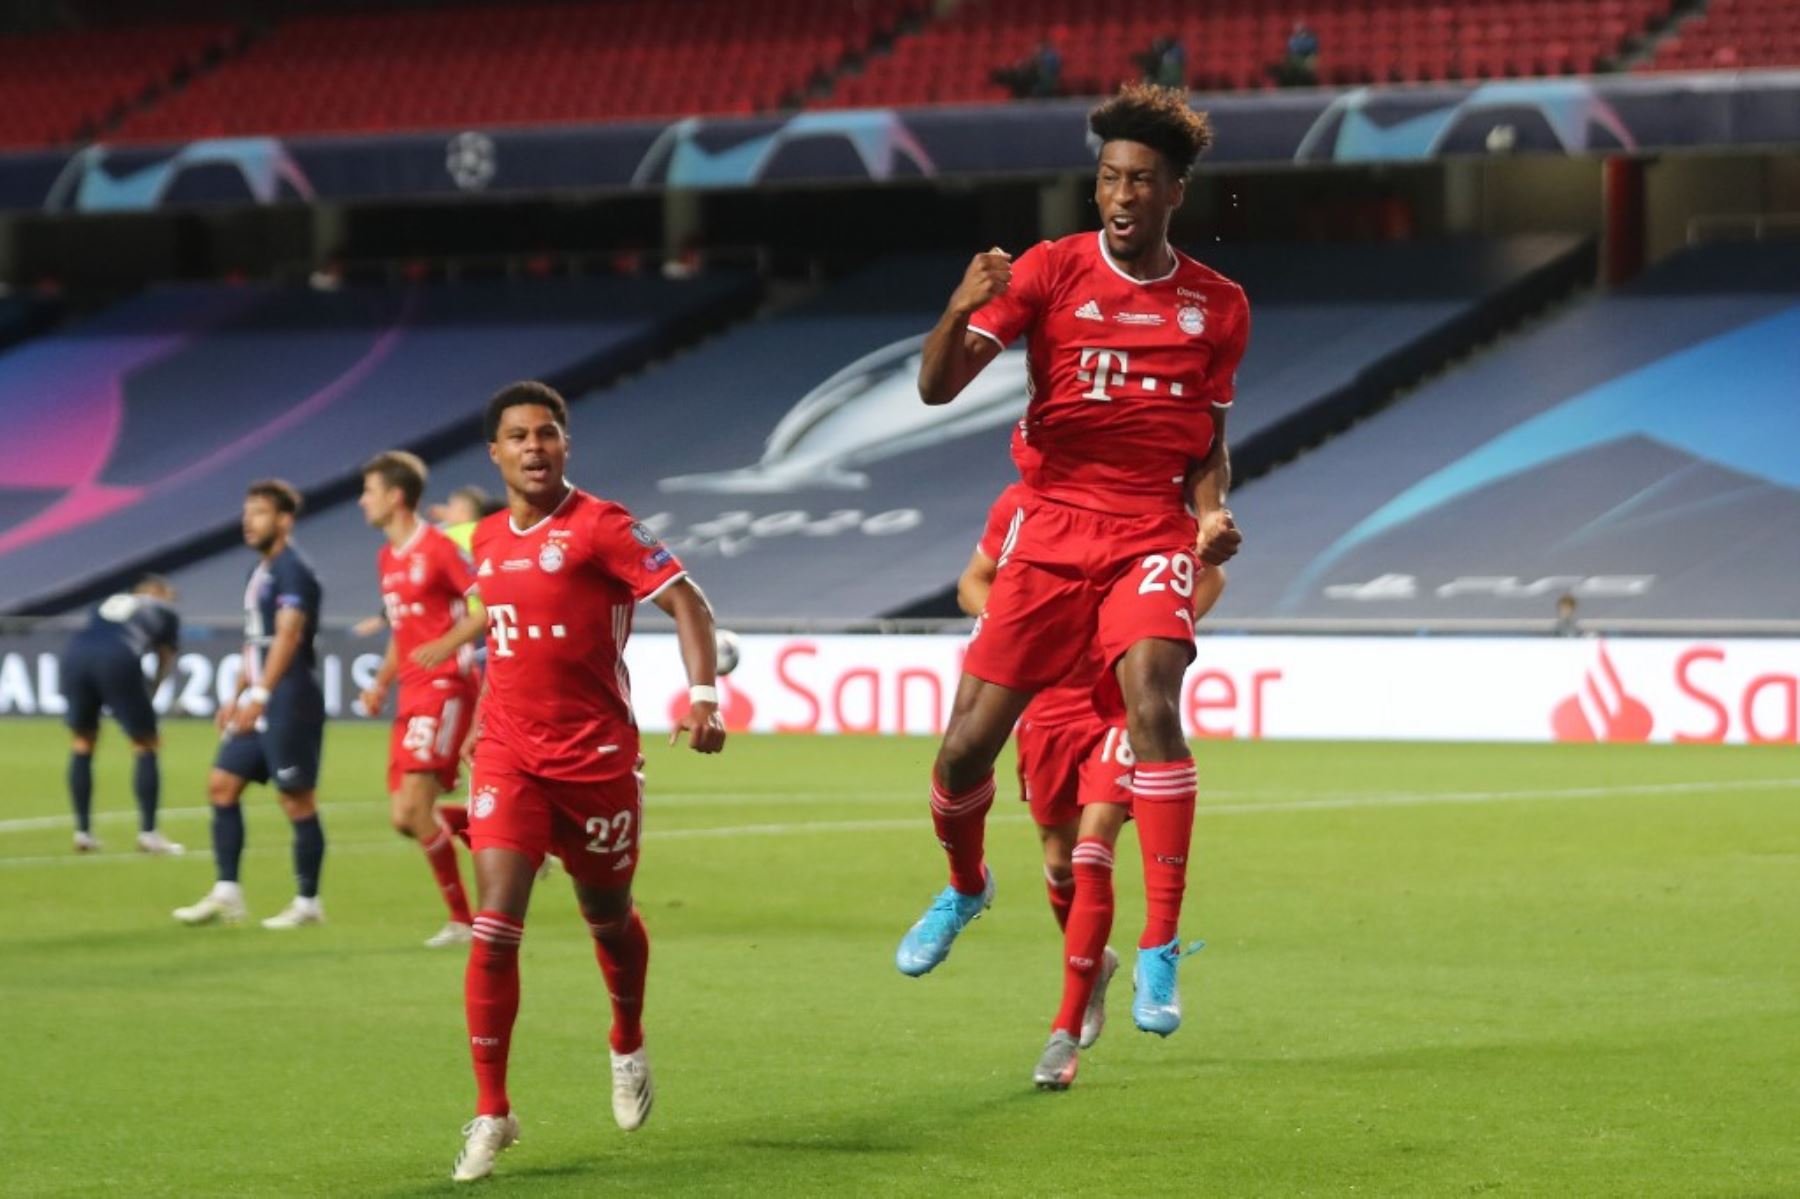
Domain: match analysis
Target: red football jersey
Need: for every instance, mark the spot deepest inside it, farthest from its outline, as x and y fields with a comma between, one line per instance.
x=1125, y=373
x=423, y=582
x=559, y=599
x=1073, y=698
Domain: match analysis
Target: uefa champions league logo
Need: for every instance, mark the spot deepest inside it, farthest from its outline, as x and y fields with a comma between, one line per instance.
x=864, y=413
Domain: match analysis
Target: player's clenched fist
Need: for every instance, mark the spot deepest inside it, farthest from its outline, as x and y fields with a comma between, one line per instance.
x=1219, y=537
x=989, y=275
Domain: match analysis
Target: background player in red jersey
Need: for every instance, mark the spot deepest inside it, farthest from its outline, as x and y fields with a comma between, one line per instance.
x=556, y=747
x=424, y=577
x=1133, y=350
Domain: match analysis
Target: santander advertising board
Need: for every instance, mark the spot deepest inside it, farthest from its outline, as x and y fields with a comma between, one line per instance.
x=1359, y=688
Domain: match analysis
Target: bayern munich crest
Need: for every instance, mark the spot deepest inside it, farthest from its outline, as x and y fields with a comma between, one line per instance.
x=550, y=558
x=483, y=805
x=1191, y=319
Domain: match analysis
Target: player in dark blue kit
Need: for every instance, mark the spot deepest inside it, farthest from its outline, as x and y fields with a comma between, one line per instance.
x=275, y=726
x=103, y=666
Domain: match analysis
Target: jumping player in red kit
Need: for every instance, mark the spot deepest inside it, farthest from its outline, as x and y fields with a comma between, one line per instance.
x=424, y=579
x=556, y=765
x=1133, y=349
x=1074, y=767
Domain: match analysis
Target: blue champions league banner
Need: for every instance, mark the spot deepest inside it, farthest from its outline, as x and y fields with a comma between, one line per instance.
x=1553, y=116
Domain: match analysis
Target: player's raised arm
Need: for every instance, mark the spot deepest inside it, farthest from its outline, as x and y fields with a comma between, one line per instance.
x=953, y=355
x=695, y=630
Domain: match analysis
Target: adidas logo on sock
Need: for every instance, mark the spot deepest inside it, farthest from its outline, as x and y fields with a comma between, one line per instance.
x=1089, y=311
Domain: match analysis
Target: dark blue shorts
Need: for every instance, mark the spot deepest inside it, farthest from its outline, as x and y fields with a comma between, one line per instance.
x=286, y=750
x=98, y=674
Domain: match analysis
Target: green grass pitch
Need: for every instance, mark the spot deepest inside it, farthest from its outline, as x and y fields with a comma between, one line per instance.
x=1432, y=970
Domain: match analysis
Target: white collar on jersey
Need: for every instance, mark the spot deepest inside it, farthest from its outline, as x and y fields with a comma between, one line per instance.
x=412, y=538
x=567, y=496
x=1174, y=256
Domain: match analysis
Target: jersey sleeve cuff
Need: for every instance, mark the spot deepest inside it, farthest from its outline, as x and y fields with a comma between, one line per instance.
x=664, y=586
x=993, y=337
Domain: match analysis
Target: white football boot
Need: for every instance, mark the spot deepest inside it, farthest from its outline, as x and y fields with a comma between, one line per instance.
x=633, y=1089
x=485, y=1138
x=451, y=934
x=157, y=845
x=298, y=913
x=223, y=904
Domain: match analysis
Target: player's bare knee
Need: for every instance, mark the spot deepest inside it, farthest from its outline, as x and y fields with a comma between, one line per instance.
x=222, y=790
x=145, y=745
x=299, y=805
x=82, y=743
x=1155, y=728
x=607, y=912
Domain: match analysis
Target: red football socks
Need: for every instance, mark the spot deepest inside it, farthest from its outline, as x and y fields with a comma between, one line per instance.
x=623, y=950
x=455, y=817
x=491, y=1001
x=1084, y=939
x=440, y=852
x=1163, y=806
x=961, y=823
x=1062, y=895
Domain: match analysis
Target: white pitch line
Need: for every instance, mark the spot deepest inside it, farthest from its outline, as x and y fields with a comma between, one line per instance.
x=896, y=824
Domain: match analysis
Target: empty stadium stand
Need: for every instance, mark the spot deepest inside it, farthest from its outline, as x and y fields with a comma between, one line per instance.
x=1734, y=34
x=792, y=466
x=1636, y=451
x=56, y=87
x=536, y=63
x=1232, y=44
x=133, y=434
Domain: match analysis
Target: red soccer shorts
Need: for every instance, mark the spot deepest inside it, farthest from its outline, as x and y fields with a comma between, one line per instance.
x=1075, y=578
x=1106, y=771
x=1050, y=762
x=429, y=730
x=593, y=827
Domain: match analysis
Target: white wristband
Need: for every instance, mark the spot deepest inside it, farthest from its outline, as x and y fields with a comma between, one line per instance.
x=701, y=693
x=255, y=695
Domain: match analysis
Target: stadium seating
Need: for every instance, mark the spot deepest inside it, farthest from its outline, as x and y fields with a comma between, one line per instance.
x=1647, y=432
x=519, y=63
x=872, y=513
x=1231, y=44
x=1732, y=34
x=55, y=85
x=165, y=406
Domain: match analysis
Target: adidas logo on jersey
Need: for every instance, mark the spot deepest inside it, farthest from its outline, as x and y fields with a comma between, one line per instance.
x=487, y=569
x=1090, y=311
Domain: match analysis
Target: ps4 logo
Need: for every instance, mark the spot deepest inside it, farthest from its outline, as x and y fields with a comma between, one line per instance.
x=1406, y=587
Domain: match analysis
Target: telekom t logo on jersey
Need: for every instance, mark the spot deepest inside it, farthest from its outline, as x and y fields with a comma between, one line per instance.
x=1099, y=368
x=504, y=628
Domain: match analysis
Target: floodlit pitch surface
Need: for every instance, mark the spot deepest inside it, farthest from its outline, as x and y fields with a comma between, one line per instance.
x=1431, y=970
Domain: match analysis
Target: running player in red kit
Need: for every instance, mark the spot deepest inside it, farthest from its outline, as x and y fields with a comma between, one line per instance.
x=424, y=578
x=1133, y=351
x=1074, y=767
x=556, y=745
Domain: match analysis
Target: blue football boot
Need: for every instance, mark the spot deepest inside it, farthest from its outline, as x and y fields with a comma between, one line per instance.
x=1157, y=1007
x=928, y=942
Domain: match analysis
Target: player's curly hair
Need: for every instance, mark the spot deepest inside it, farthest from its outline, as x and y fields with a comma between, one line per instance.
x=518, y=395
x=1158, y=117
